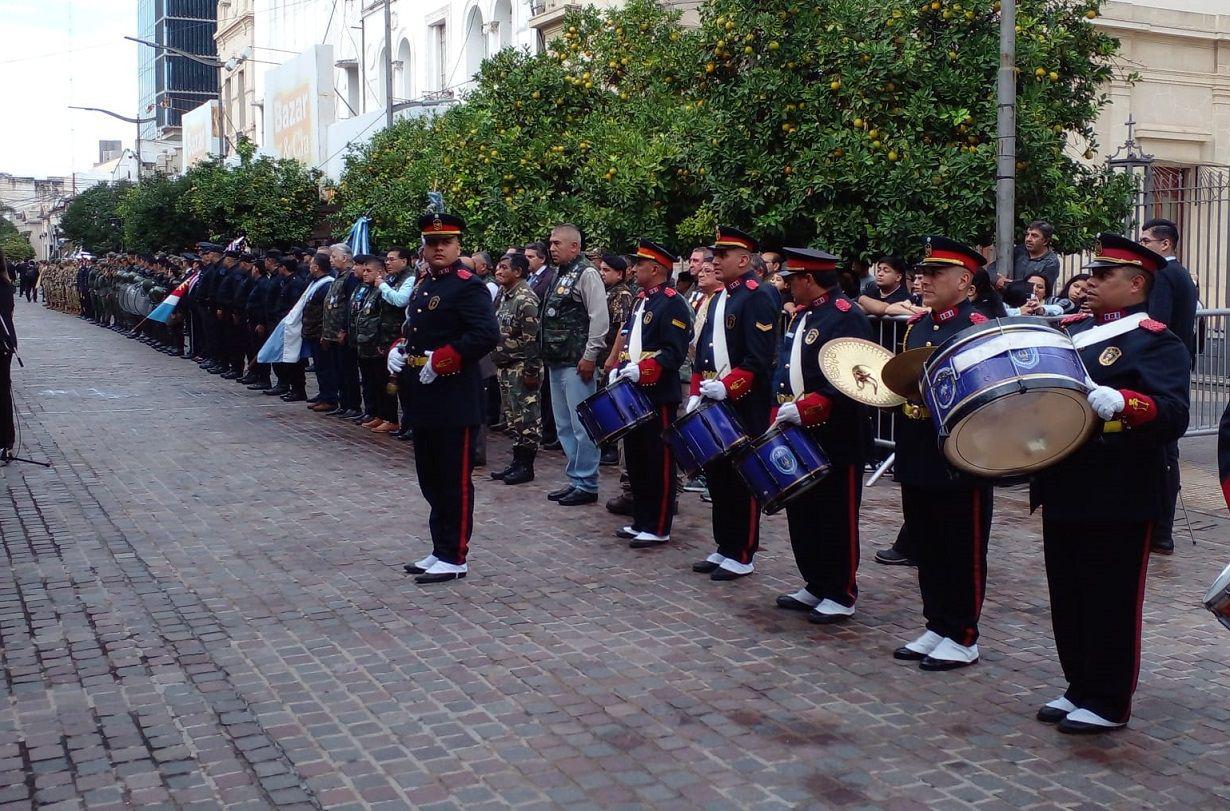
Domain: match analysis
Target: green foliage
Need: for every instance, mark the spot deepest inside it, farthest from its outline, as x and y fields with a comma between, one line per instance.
x=854, y=124
x=592, y=131
x=151, y=216
x=14, y=243
x=92, y=222
x=861, y=125
x=275, y=202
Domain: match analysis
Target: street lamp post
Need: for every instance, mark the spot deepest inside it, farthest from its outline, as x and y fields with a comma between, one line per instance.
x=129, y=119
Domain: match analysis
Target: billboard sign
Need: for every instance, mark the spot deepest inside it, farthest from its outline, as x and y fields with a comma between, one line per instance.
x=300, y=106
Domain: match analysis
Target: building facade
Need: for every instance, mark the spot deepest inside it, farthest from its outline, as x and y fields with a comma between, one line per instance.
x=235, y=40
x=169, y=83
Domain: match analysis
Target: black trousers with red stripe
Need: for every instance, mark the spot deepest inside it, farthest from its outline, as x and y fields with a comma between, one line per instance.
x=1096, y=574
x=736, y=512
x=442, y=461
x=651, y=472
x=949, y=529
x=824, y=534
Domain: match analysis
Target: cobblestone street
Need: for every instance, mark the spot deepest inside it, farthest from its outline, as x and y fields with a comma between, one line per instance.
x=202, y=606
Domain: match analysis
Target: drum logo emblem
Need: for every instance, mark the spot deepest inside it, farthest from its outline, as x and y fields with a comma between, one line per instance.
x=945, y=388
x=1109, y=355
x=812, y=337
x=784, y=461
x=730, y=321
x=434, y=303
x=1026, y=358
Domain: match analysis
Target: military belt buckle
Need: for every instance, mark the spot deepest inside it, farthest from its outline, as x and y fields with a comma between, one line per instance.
x=1113, y=427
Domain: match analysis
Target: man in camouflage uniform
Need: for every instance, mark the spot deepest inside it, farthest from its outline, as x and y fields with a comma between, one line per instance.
x=518, y=365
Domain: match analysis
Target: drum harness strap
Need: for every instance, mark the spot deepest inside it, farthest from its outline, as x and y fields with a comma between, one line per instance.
x=912, y=411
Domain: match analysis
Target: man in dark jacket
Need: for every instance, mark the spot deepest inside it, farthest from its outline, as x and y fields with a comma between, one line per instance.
x=291, y=376
x=1172, y=301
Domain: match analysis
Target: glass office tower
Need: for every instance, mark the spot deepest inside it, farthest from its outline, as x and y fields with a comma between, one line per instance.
x=171, y=84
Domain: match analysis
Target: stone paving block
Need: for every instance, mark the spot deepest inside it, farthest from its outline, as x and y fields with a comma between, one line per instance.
x=173, y=625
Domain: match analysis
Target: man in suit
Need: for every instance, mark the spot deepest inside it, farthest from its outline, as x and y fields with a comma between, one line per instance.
x=1172, y=301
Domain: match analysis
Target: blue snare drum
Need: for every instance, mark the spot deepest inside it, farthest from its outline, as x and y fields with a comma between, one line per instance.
x=704, y=436
x=608, y=414
x=780, y=464
x=1008, y=397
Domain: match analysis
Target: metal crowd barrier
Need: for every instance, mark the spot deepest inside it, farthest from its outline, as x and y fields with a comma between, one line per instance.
x=1210, y=389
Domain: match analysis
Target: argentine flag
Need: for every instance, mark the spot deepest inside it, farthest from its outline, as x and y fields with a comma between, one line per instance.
x=286, y=341
x=163, y=311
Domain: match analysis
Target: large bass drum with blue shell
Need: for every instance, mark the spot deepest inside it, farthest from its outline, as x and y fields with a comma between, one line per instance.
x=1008, y=397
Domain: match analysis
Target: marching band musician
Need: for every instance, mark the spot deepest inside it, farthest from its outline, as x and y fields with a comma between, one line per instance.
x=735, y=362
x=947, y=515
x=655, y=344
x=823, y=521
x=1097, y=549
x=450, y=324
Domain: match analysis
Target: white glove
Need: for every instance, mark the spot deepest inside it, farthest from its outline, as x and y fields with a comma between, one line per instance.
x=612, y=377
x=631, y=372
x=397, y=359
x=428, y=374
x=713, y=389
x=1106, y=402
x=693, y=404
x=788, y=412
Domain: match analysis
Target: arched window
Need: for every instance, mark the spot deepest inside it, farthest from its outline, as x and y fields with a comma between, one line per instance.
x=475, y=43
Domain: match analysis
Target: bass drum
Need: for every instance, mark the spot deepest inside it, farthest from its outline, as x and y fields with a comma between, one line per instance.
x=1008, y=397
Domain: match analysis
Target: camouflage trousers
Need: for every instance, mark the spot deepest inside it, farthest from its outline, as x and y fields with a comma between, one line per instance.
x=521, y=408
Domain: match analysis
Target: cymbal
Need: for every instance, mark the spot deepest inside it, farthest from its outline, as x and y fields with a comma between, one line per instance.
x=902, y=373
x=854, y=366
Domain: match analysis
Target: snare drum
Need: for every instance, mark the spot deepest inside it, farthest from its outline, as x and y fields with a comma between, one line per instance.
x=1217, y=599
x=610, y=413
x=1008, y=397
x=780, y=464
x=704, y=436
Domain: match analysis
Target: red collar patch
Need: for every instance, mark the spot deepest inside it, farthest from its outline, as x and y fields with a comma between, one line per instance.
x=670, y=291
x=813, y=305
x=1073, y=319
x=1156, y=327
x=752, y=284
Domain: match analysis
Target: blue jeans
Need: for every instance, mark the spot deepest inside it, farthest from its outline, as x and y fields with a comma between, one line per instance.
x=567, y=390
x=324, y=372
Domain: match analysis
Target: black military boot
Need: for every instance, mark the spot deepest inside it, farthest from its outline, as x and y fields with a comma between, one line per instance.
x=278, y=390
x=512, y=465
x=523, y=466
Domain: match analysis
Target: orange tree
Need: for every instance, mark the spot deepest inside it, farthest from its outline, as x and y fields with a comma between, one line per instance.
x=274, y=201
x=595, y=131
x=861, y=124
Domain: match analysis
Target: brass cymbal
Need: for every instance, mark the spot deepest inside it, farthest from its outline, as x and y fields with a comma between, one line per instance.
x=903, y=372
x=854, y=366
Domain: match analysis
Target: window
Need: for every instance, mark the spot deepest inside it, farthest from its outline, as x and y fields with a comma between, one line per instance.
x=439, y=44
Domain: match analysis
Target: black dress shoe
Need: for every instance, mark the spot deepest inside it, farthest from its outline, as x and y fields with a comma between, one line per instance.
x=556, y=495
x=407, y=437
x=294, y=397
x=645, y=543
x=908, y=655
x=277, y=391
x=1070, y=727
x=1051, y=715
x=816, y=618
x=721, y=574
x=704, y=567
x=264, y=385
x=939, y=665
x=229, y=375
x=623, y=532
x=246, y=380
x=216, y=370
x=620, y=505
x=349, y=414
x=1164, y=546
x=333, y=412
x=414, y=568
x=313, y=400
x=891, y=557
x=362, y=418
x=442, y=577
x=788, y=602
x=577, y=498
